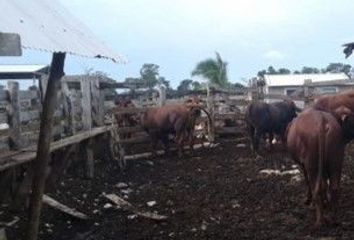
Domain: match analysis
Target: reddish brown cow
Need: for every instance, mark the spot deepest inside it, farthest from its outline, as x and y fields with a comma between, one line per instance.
x=315, y=141
x=179, y=120
x=125, y=119
x=342, y=107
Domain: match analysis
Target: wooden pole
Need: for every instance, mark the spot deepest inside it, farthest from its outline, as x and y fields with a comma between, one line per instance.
x=45, y=136
x=14, y=115
x=210, y=107
x=162, y=95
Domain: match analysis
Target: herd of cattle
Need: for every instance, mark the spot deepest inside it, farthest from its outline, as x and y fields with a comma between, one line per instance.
x=315, y=137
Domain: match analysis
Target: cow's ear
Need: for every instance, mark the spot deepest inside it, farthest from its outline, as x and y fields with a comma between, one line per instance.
x=343, y=113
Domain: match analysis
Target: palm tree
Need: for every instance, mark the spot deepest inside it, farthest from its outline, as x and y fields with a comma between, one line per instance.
x=214, y=70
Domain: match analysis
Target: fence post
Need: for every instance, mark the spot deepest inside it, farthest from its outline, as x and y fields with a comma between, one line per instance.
x=87, y=125
x=96, y=101
x=210, y=106
x=86, y=103
x=14, y=115
x=162, y=95
x=68, y=109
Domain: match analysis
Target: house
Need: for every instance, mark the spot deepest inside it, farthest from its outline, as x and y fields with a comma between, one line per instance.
x=312, y=84
x=301, y=85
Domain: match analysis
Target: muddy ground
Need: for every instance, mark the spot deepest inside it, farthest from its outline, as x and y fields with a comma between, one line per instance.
x=218, y=193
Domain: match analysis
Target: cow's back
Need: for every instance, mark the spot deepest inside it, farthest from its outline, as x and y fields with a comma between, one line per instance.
x=303, y=135
x=281, y=115
x=257, y=115
x=164, y=117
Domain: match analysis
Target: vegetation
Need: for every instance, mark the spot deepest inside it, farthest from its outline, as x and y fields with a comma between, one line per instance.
x=213, y=70
x=332, y=68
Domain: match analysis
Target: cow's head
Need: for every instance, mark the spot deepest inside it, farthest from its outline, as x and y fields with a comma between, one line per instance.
x=346, y=118
x=293, y=109
x=193, y=101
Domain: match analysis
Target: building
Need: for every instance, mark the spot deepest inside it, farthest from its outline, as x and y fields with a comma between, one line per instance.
x=300, y=86
x=307, y=84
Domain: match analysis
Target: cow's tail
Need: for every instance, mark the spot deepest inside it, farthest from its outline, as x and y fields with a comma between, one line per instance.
x=210, y=122
x=321, y=156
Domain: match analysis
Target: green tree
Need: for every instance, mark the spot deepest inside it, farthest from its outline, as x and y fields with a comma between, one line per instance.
x=271, y=70
x=149, y=73
x=238, y=85
x=185, y=85
x=214, y=70
x=284, y=71
x=196, y=85
x=165, y=82
x=132, y=80
x=308, y=70
x=261, y=73
x=338, y=68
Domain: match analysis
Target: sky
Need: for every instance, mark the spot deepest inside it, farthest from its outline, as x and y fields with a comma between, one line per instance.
x=249, y=34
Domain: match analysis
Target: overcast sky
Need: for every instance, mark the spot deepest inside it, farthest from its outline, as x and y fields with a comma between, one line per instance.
x=249, y=34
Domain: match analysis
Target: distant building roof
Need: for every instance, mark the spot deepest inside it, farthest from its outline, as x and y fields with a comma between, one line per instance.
x=47, y=26
x=21, y=68
x=279, y=80
x=22, y=71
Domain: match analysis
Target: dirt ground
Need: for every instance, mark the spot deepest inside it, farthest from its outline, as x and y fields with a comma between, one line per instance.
x=219, y=193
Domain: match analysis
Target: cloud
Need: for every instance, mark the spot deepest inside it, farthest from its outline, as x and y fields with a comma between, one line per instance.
x=274, y=55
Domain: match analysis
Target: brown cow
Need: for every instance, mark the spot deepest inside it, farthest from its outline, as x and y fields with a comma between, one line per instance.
x=315, y=141
x=125, y=119
x=342, y=107
x=179, y=120
x=268, y=118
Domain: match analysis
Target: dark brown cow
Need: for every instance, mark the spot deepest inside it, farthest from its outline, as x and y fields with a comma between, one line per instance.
x=273, y=118
x=179, y=120
x=342, y=107
x=315, y=141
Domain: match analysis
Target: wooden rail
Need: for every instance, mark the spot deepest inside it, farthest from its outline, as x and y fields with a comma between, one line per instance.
x=15, y=158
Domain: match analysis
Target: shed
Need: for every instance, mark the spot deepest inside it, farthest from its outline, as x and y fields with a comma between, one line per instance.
x=12, y=72
x=294, y=84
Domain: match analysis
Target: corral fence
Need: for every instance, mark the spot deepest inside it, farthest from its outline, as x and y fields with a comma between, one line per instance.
x=80, y=132
x=226, y=109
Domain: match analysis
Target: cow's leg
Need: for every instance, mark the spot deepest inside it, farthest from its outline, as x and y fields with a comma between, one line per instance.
x=308, y=198
x=180, y=140
x=251, y=133
x=271, y=138
x=154, y=141
x=180, y=129
x=166, y=143
x=317, y=198
x=324, y=193
x=334, y=191
x=256, y=139
x=191, y=142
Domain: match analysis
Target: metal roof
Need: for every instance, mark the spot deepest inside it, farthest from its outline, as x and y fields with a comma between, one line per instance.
x=299, y=79
x=47, y=26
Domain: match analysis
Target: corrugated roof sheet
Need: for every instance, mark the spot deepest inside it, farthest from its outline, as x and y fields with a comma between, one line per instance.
x=21, y=68
x=299, y=79
x=46, y=25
